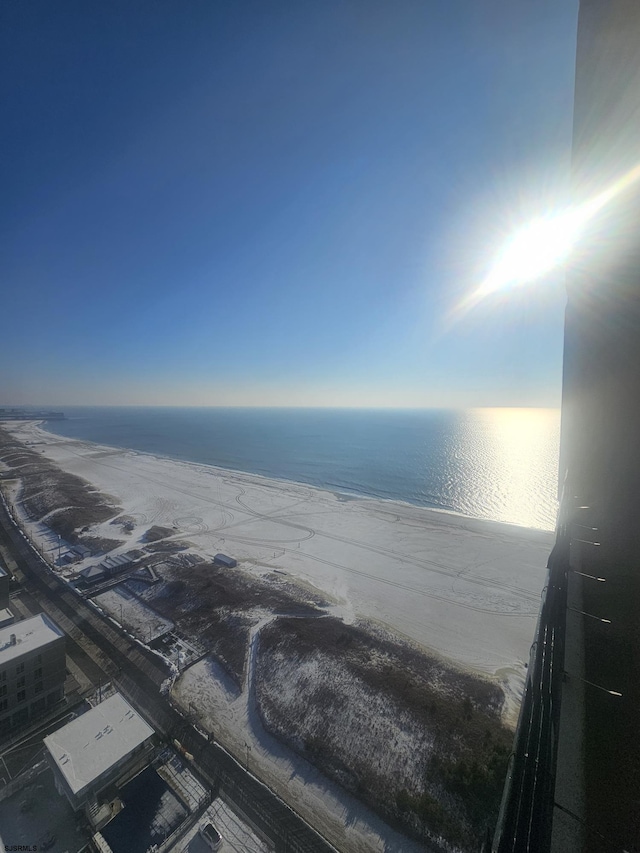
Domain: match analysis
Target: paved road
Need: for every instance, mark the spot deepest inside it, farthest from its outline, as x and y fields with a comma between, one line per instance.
x=138, y=673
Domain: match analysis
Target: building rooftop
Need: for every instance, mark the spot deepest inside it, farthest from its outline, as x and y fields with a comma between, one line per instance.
x=6, y=616
x=115, y=562
x=81, y=550
x=92, y=572
x=91, y=744
x=30, y=634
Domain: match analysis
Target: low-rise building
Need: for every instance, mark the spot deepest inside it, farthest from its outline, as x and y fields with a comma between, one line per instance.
x=80, y=551
x=32, y=670
x=102, y=749
x=114, y=565
x=92, y=575
x=224, y=560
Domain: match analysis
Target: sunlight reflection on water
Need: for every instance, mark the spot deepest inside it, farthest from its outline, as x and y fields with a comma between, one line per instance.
x=498, y=464
x=504, y=463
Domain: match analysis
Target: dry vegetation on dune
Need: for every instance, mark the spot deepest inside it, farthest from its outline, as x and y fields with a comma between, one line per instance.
x=218, y=606
x=156, y=533
x=100, y=544
x=172, y=547
x=417, y=740
x=65, y=502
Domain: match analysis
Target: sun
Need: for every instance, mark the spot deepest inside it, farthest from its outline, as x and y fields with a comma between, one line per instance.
x=532, y=252
x=544, y=244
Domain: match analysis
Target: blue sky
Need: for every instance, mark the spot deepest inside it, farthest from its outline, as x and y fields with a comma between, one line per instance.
x=278, y=203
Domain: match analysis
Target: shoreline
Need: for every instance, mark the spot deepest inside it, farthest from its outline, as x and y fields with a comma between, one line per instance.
x=345, y=492
x=273, y=482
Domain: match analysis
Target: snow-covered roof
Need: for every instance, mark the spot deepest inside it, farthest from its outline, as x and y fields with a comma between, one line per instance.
x=92, y=572
x=81, y=550
x=90, y=745
x=6, y=616
x=114, y=562
x=225, y=560
x=30, y=634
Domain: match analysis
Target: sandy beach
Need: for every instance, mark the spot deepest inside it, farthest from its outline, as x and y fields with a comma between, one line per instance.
x=464, y=588
x=464, y=591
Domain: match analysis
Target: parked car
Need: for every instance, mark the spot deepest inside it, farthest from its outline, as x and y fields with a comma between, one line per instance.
x=210, y=836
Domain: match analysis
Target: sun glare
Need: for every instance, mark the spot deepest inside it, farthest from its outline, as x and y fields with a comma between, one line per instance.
x=543, y=245
x=533, y=252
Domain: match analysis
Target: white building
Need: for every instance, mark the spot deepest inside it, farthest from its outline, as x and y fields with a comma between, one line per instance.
x=103, y=748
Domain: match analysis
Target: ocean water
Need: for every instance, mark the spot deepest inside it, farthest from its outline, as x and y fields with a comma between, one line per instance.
x=498, y=464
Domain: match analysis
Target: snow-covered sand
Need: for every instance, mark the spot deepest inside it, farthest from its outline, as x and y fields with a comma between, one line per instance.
x=465, y=588
x=133, y=615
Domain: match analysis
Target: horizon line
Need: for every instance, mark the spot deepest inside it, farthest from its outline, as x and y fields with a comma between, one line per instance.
x=27, y=406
